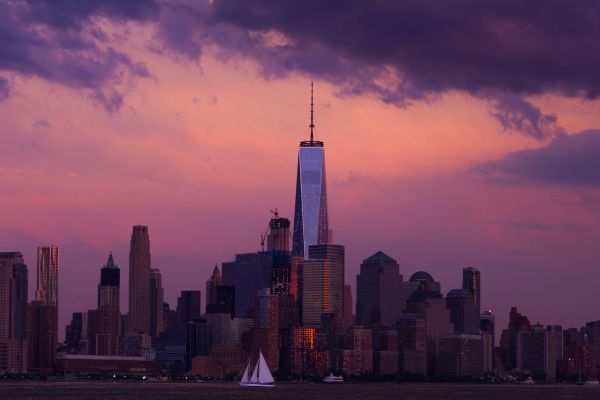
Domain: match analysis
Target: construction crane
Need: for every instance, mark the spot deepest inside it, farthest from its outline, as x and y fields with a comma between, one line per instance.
x=264, y=236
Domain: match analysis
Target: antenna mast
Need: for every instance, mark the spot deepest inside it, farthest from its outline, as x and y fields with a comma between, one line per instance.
x=312, y=124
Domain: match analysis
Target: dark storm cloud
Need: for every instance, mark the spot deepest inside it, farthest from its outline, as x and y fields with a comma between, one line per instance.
x=515, y=113
x=517, y=46
x=73, y=14
x=511, y=47
x=56, y=41
x=398, y=51
x=571, y=160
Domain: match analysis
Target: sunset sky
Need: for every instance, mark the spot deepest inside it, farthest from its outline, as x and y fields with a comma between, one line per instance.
x=454, y=136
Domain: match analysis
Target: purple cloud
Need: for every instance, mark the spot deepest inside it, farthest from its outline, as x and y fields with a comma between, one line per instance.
x=507, y=45
x=408, y=51
x=516, y=114
x=569, y=160
x=398, y=52
x=57, y=41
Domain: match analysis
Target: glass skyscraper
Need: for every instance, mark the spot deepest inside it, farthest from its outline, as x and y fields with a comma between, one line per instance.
x=311, y=221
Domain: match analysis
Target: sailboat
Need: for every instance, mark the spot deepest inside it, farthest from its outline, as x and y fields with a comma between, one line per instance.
x=261, y=377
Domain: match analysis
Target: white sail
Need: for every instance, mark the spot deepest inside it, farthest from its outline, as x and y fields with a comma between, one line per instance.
x=264, y=375
x=254, y=378
x=245, y=376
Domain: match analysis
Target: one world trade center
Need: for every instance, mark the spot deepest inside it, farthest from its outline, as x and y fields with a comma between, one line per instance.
x=311, y=225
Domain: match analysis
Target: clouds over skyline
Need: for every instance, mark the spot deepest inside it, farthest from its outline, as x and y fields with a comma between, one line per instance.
x=185, y=116
x=499, y=51
x=60, y=42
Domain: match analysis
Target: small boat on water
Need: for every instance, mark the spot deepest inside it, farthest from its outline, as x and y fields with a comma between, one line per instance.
x=528, y=381
x=333, y=379
x=261, y=377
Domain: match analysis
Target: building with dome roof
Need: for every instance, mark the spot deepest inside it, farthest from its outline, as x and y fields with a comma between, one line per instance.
x=422, y=281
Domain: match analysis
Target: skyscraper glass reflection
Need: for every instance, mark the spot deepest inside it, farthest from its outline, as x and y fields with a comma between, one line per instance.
x=311, y=221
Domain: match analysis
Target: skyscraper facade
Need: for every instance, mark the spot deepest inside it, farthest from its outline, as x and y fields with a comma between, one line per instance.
x=43, y=313
x=323, y=284
x=311, y=220
x=379, y=291
x=472, y=284
x=13, y=313
x=47, y=275
x=108, y=289
x=253, y=272
x=156, y=303
x=139, y=280
x=279, y=234
x=211, y=286
x=197, y=340
x=104, y=323
x=278, y=246
x=463, y=313
x=348, y=307
x=42, y=337
x=188, y=308
x=266, y=327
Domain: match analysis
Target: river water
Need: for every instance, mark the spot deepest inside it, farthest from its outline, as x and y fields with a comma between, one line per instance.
x=346, y=391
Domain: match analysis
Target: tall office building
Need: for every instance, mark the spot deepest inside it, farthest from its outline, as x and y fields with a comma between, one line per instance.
x=487, y=324
x=253, y=272
x=156, y=303
x=348, y=307
x=42, y=337
x=139, y=280
x=379, y=291
x=43, y=313
x=510, y=339
x=102, y=330
x=228, y=273
x=188, y=308
x=460, y=355
x=266, y=327
x=463, y=313
x=311, y=220
x=211, y=286
x=108, y=289
x=412, y=343
x=323, y=284
x=279, y=234
x=197, y=340
x=104, y=323
x=278, y=246
x=13, y=313
x=73, y=332
x=488, y=335
x=554, y=348
x=471, y=282
x=47, y=275
x=428, y=304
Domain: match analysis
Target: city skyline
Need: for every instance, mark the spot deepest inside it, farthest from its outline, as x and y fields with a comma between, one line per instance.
x=494, y=170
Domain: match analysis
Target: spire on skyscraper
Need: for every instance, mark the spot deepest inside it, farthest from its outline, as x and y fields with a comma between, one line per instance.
x=312, y=123
x=110, y=263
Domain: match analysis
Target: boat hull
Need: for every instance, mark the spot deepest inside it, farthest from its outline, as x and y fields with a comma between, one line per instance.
x=257, y=384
